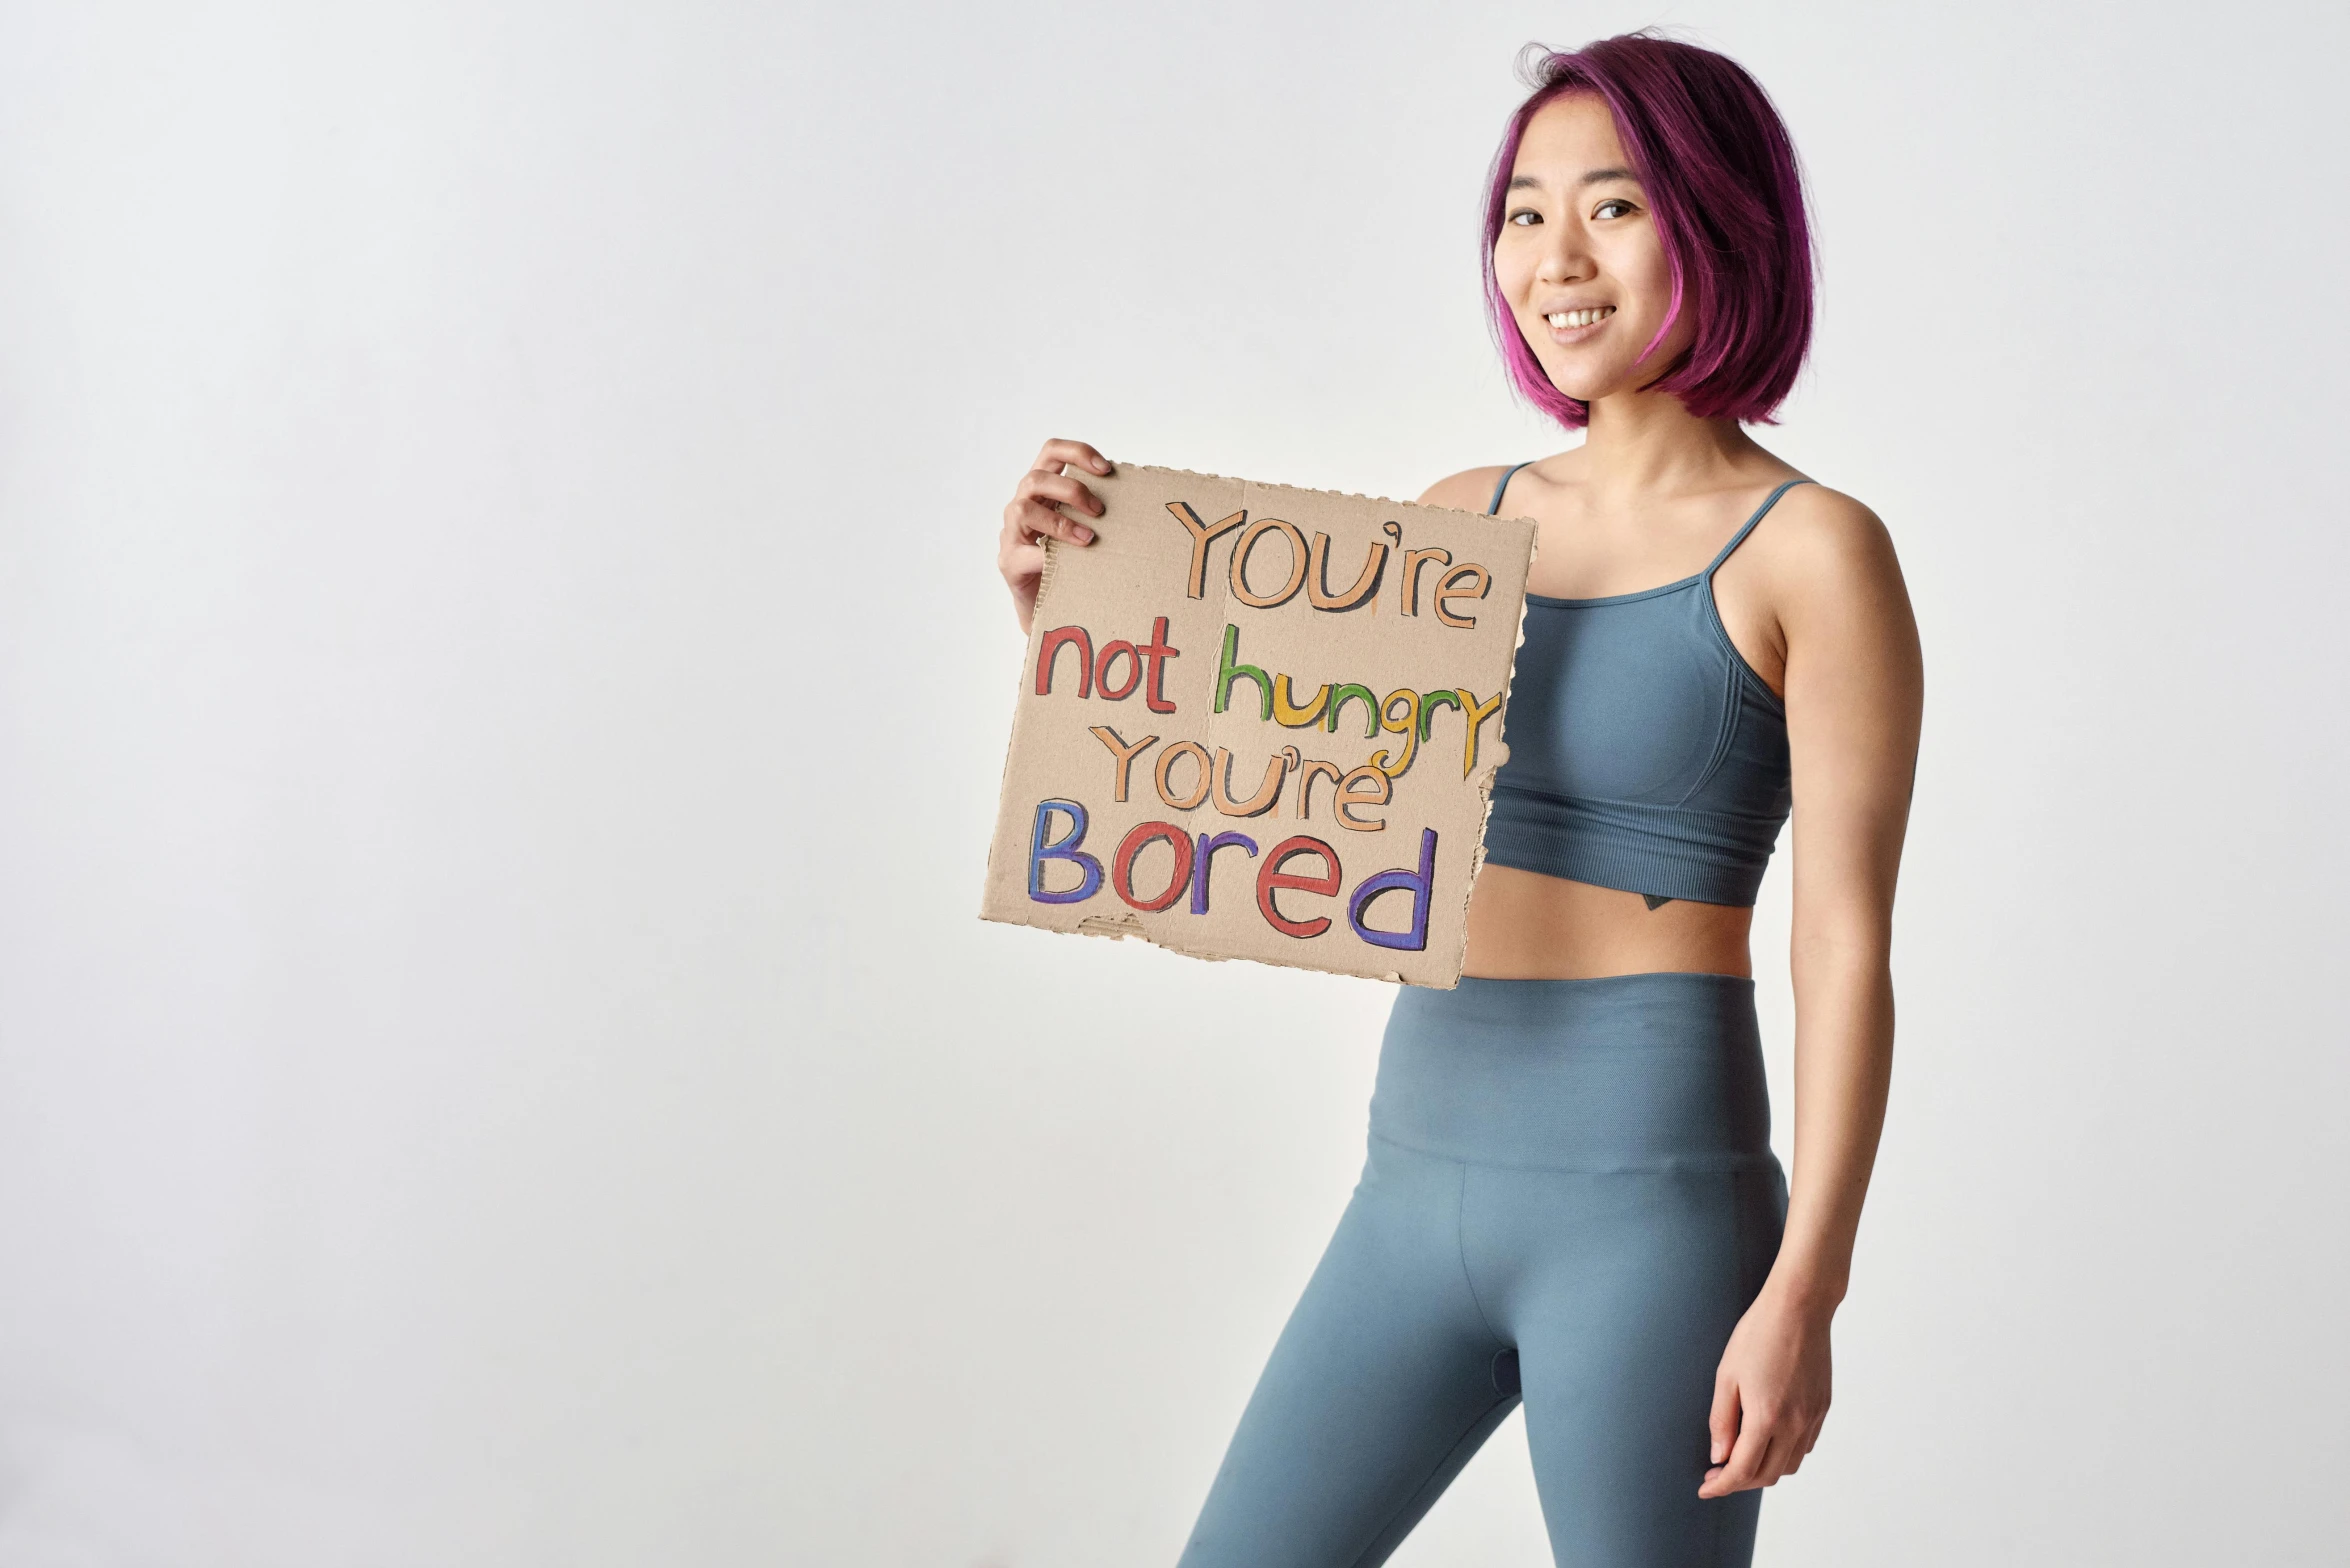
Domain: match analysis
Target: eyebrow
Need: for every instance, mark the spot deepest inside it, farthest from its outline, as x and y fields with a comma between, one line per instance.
x=1590, y=177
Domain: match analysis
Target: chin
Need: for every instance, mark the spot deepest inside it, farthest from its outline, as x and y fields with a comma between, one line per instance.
x=1583, y=388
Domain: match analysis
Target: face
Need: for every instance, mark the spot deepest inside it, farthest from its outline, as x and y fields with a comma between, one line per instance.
x=1579, y=258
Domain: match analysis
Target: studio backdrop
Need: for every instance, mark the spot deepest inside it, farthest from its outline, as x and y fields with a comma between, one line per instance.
x=504, y=684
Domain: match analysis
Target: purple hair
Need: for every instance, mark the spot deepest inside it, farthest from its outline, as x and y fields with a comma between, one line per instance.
x=1720, y=175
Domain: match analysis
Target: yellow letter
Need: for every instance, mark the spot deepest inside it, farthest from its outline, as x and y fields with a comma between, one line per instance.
x=1288, y=713
x=1476, y=713
x=1408, y=728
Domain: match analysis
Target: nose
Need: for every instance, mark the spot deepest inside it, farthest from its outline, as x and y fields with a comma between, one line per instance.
x=1565, y=258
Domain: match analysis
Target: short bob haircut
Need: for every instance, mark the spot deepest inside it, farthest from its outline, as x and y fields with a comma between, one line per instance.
x=1721, y=179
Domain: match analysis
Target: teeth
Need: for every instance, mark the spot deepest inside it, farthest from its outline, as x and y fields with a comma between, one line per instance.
x=1562, y=319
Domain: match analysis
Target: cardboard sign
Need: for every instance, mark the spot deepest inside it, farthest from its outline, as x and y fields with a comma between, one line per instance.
x=1259, y=722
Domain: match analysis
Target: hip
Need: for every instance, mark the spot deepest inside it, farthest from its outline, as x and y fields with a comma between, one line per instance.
x=1637, y=1072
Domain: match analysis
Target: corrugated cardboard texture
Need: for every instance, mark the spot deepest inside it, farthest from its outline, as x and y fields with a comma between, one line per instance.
x=1248, y=820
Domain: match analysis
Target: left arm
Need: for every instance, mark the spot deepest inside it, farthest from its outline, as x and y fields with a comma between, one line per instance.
x=1854, y=692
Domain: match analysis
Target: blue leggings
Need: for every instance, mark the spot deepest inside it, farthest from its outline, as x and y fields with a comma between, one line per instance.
x=1570, y=1199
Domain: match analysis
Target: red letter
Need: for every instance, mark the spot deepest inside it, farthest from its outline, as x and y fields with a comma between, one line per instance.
x=1054, y=640
x=1157, y=650
x=1101, y=671
x=1273, y=879
x=1122, y=866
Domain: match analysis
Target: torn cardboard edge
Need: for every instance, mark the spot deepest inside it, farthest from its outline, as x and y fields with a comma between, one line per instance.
x=1214, y=825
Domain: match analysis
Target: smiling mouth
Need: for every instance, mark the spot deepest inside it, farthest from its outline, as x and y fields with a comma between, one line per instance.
x=1560, y=320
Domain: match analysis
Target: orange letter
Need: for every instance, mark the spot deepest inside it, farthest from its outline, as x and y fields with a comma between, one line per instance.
x=1305, y=784
x=1123, y=752
x=1365, y=786
x=1247, y=542
x=1318, y=592
x=1411, y=574
x=1445, y=590
x=1201, y=533
x=1182, y=748
x=1265, y=799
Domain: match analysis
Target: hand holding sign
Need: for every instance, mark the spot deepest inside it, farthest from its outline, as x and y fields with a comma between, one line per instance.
x=1239, y=715
x=1035, y=515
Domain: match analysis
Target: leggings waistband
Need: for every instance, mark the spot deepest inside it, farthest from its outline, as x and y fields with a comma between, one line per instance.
x=1647, y=1072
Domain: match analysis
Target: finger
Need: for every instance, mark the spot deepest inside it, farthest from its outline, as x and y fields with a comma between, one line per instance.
x=1013, y=541
x=1042, y=522
x=1060, y=489
x=1795, y=1444
x=1761, y=1470
x=1056, y=452
x=1035, y=520
x=1038, y=515
x=1783, y=1455
x=1745, y=1465
x=1723, y=1422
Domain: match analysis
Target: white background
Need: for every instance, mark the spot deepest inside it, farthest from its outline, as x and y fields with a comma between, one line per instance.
x=502, y=689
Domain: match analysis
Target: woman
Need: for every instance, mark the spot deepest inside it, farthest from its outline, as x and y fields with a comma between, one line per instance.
x=1570, y=1196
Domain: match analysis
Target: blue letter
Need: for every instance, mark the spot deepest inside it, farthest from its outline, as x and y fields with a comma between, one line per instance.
x=1040, y=851
x=1421, y=886
x=1205, y=860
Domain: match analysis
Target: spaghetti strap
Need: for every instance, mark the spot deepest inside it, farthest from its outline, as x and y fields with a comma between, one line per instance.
x=1493, y=507
x=1760, y=512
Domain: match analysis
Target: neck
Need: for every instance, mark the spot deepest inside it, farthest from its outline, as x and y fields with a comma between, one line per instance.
x=1647, y=442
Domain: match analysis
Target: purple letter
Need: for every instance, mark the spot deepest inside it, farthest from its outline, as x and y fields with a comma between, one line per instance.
x=1421, y=885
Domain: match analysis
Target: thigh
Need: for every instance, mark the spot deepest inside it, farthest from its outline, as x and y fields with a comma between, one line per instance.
x=1380, y=1388
x=1632, y=1286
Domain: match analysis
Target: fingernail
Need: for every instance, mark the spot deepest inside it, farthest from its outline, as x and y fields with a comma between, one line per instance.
x=1101, y=465
x=1081, y=533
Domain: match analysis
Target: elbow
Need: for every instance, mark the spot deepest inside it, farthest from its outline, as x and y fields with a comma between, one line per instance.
x=1843, y=941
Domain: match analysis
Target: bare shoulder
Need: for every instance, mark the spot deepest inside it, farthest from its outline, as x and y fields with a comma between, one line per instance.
x=1471, y=490
x=1825, y=544
x=1835, y=586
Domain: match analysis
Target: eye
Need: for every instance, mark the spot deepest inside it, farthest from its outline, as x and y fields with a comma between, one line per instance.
x=1614, y=207
x=1524, y=217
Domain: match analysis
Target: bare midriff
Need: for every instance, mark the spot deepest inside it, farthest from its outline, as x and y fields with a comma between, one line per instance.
x=1526, y=926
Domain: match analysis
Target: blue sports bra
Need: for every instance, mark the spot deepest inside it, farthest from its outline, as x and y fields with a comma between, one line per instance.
x=1645, y=753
